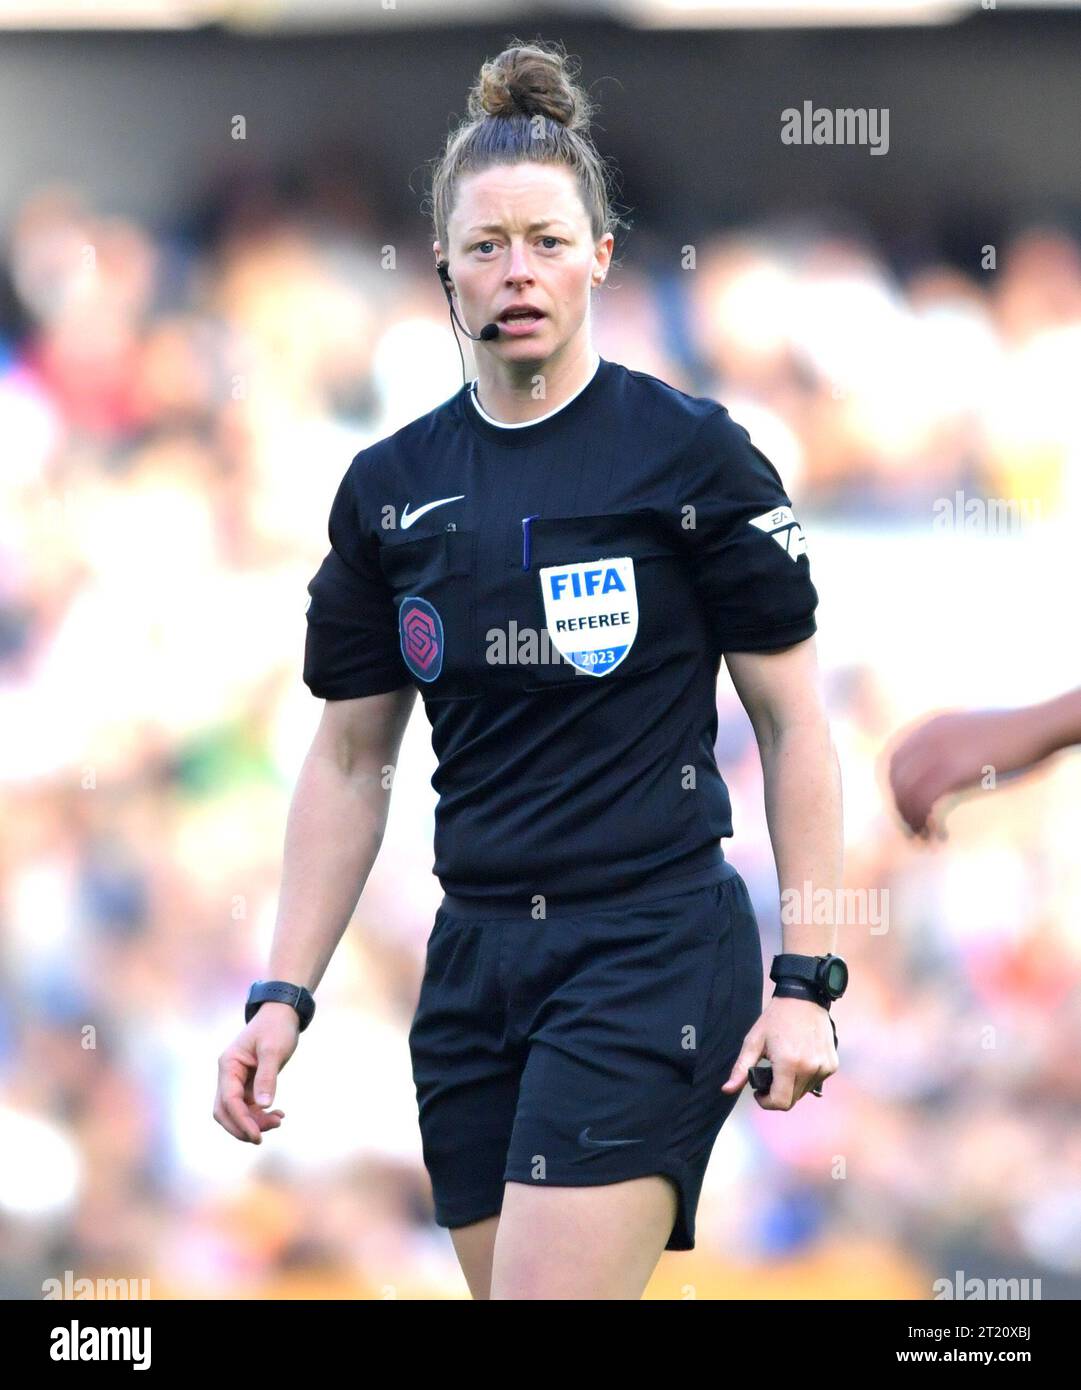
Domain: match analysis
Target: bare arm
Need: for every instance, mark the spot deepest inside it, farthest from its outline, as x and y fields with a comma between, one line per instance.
x=332, y=835
x=334, y=829
x=1056, y=723
x=953, y=751
x=781, y=692
x=782, y=695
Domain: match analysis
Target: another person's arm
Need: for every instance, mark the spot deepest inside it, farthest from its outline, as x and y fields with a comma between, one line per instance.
x=952, y=752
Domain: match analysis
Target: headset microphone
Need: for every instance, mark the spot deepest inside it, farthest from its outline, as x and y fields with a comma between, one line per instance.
x=486, y=334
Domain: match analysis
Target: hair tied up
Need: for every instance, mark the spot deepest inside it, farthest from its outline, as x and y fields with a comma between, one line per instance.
x=523, y=82
x=529, y=81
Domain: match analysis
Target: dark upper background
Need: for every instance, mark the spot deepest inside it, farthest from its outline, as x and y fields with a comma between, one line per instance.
x=984, y=115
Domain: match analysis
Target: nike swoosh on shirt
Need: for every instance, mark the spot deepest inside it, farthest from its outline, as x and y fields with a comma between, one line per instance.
x=586, y=1142
x=408, y=518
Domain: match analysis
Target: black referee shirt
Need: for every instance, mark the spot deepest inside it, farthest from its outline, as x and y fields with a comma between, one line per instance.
x=561, y=593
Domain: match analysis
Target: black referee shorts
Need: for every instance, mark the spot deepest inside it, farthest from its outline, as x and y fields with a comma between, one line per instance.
x=583, y=1049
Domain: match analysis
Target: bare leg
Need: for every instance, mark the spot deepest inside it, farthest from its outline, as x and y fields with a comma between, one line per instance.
x=474, y=1245
x=581, y=1242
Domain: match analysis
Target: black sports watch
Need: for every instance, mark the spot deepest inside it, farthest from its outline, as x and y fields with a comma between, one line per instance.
x=280, y=992
x=821, y=978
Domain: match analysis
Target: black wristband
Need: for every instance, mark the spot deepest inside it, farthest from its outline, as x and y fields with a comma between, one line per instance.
x=280, y=992
x=786, y=988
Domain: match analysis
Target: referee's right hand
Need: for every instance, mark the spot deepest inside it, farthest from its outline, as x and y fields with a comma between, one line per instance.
x=248, y=1072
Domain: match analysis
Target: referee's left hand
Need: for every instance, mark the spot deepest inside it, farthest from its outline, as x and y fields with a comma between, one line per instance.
x=796, y=1036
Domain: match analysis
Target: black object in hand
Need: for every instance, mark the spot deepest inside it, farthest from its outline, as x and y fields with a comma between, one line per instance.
x=761, y=1076
x=761, y=1079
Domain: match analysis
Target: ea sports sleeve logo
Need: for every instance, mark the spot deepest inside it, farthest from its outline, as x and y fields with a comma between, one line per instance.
x=420, y=633
x=782, y=525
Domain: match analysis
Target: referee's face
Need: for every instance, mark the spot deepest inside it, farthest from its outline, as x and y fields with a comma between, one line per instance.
x=519, y=233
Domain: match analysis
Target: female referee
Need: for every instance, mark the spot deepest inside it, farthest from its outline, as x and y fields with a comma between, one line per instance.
x=556, y=558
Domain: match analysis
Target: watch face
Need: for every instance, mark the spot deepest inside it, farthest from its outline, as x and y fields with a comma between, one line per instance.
x=836, y=977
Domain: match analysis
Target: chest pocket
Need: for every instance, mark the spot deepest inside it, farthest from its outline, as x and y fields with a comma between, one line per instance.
x=607, y=588
x=433, y=582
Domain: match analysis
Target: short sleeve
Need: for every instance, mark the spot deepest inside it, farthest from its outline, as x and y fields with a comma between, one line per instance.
x=746, y=548
x=351, y=648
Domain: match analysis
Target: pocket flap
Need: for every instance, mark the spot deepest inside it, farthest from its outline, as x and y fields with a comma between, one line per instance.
x=555, y=539
x=426, y=557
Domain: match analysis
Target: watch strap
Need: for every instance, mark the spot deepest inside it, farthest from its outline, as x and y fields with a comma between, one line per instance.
x=790, y=966
x=280, y=992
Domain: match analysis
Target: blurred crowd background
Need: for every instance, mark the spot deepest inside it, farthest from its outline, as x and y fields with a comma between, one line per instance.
x=179, y=399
